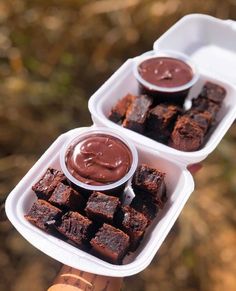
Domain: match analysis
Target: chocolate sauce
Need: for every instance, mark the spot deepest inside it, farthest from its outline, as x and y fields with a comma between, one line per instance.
x=98, y=159
x=165, y=72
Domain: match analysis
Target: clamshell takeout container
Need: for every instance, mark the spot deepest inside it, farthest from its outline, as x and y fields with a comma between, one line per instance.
x=210, y=43
x=179, y=186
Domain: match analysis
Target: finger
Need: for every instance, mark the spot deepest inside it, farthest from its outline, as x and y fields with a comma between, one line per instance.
x=194, y=168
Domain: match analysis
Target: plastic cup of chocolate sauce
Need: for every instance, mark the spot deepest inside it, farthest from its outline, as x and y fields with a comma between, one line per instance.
x=166, y=76
x=99, y=159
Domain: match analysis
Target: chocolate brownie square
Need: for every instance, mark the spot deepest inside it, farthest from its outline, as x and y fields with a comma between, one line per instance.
x=101, y=207
x=213, y=92
x=46, y=185
x=43, y=214
x=202, y=104
x=133, y=223
x=76, y=227
x=187, y=135
x=66, y=198
x=161, y=120
x=118, y=112
x=203, y=119
x=150, y=181
x=146, y=205
x=137, y=112
x=110, y=244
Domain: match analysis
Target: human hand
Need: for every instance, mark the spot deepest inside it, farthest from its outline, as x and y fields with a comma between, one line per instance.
x=70, y=279
x=194, y=168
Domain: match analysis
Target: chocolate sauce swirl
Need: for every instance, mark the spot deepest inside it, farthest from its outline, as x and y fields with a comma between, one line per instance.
x=98, y=159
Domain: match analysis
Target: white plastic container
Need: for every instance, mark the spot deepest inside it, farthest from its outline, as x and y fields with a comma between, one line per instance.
x=179, y=187
x=198, y=36
x=210, y=42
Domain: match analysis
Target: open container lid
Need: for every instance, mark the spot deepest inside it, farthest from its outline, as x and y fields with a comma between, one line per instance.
x=208, y=41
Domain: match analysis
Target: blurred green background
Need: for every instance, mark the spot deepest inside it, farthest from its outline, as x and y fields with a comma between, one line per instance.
x=53, y=56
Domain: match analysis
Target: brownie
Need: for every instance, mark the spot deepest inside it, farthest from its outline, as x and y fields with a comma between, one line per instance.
x=101, y=207
x=137, y=113
x=133, y=223
x=161, y=120
x=110, y=244
x=146, y=205
x=46, y=185
x=118, y=112
x=76, y=227
x=43, y=214
x=187, y=135
x=203, y=119
x=202, y=104
x=150, y=182
x=213, y=92
x=66, y=198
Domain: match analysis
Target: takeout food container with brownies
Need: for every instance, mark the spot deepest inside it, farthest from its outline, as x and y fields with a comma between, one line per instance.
x=189, y=133
x=114, y=235
x=103, y=198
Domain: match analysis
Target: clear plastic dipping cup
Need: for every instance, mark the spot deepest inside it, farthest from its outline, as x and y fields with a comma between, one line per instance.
x=161, y=94
x=115, y=187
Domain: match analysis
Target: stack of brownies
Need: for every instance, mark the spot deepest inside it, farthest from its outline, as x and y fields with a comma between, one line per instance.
x=97, y=222
x=168, y=123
